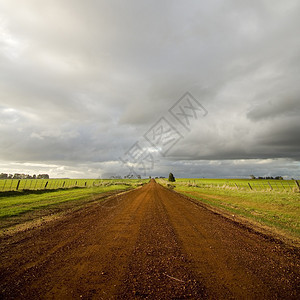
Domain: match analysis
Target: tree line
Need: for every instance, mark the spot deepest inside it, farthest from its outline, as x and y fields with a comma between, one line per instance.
x=267, y=177
x=23, y=176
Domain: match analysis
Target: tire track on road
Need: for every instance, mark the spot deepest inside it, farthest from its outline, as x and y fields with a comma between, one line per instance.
x=158, y=269
x=234, y=262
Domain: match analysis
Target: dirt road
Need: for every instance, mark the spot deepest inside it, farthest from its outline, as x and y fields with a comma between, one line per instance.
x=147, y=243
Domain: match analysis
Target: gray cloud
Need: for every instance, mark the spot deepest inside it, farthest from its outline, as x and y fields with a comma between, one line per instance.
x=80, y=82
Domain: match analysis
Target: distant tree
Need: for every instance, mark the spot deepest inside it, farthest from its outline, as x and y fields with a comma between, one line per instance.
x=171, y=177
x=252, y=176
x=43, y=176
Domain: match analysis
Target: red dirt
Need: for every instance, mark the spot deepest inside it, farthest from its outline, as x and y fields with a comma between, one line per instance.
x=147, y=243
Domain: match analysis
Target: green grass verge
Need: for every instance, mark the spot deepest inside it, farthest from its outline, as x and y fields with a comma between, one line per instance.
x=52, y=184
x=18, y=209
x=275, y=209
x=255, y=184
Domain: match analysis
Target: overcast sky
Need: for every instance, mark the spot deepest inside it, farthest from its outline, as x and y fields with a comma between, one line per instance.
x=82, y=81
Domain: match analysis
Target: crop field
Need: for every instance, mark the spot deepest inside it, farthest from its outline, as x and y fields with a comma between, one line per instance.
x=272, y=203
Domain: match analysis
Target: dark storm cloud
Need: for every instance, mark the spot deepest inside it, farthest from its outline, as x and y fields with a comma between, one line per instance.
x=232, y=168
x=80, y=82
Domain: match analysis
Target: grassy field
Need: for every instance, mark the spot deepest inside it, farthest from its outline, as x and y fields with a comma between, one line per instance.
x=246, y=184
x=22, y=206
x=52, y=184
x=278, y=208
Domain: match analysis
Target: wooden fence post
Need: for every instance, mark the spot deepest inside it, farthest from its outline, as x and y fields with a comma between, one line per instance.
x=297, y=184
x=249, y=186
x=4, y=185
x=270, y=186
x=46, y=184
x=11, y=184
x=18, y=184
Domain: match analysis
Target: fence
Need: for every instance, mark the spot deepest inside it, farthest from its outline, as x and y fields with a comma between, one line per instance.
x=254, y=184
x=45, y=184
